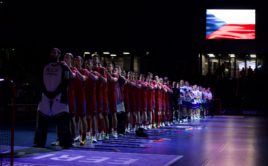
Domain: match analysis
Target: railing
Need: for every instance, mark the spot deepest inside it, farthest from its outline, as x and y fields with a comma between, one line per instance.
x=7, y=121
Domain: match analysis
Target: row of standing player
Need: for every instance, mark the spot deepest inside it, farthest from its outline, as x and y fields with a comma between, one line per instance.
x=191, y=102
x=147, y=102
x=94, y=92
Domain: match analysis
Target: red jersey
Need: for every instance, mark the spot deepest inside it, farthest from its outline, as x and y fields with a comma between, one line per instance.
x=91, y=98
x=126, y=96
x=144, y=93
x=71, y=92
x=132, y=97
x=112, y=93
x=101, y=90
x=137, y=94
x=80, y=92
x=150, y=97
x=158, y=97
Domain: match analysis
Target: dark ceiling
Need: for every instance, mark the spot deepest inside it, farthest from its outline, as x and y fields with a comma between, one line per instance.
x=115, y=25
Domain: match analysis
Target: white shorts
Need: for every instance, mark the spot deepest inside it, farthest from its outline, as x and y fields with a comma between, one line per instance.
x=52, y=107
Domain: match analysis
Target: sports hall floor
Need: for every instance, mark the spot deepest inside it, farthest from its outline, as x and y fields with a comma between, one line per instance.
x=213, y=141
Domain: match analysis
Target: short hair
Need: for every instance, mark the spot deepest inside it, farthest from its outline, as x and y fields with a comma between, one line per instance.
x=69, y=54
x=57, y=50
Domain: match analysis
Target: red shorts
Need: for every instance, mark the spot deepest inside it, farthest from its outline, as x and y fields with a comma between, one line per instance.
x=71, y=101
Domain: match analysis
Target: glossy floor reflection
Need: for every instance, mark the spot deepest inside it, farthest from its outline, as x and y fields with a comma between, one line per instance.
x=219, y=140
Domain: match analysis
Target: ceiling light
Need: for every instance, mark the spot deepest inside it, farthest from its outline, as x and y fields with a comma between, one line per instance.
x=211, y=55
x=126, y=53
x=232, y=55
x=253, y=56
x=106, y=53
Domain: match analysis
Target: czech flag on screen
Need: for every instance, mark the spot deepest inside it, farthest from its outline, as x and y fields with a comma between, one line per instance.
x=230, y=24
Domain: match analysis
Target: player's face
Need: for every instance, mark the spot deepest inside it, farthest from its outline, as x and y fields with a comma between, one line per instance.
x=119, y=70
x=178, y=85
x=87, y=65
x=90, y=64
x=115, y=71
x=54, y=54
x=96, y=60
x=78, y=62
x=148, y=78
x=128, y=75
x=156, y=78
x=68, y=59
x=110, y=67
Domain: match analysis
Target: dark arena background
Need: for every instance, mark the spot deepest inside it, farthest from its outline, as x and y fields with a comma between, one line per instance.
x=166, y=38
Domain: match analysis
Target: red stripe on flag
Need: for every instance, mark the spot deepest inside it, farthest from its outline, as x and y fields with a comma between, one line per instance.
x=234, y=31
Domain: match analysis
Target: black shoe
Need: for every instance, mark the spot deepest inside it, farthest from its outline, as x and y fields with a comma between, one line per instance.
x=67, y=146
x=140, y=133
x=38, y=146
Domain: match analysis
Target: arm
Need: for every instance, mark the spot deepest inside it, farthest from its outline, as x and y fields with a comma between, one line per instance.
x=112, y=78
x=93, y=75
x=81, y=76
x=67, y=69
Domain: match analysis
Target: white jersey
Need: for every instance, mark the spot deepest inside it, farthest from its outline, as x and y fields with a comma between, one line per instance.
x=209, y=96
x=200, y=96
x=204, y=96
x=183, y=91
x=52, y=76
x=54, y=96
x=195, y=96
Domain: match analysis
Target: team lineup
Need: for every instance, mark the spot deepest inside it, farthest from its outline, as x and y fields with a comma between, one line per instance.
x=85, y=98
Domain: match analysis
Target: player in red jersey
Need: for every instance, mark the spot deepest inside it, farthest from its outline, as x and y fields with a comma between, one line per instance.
x=80, y=99
x=137, y=93
x=154, y=85
x=163, y=104
x=158, y=101
x=127, y=101
x=149, y=99
x=68, y=60
x=168, y=91
x=91, y=101
x=144, y=105
x=112, y=80
x=132, y=99
x=102, y=99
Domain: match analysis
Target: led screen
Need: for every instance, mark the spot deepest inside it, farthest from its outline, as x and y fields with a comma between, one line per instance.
x=230, y=24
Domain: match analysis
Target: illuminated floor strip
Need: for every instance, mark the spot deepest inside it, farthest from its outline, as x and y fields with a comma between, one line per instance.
x=83, y=157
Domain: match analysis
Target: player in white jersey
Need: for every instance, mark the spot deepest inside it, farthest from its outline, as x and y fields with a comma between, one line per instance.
x=209, y=101
x=54, y=101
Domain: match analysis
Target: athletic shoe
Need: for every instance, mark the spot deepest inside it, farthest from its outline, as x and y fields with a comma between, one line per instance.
x=88, y=136
x=114, y=134
x=77, y=139
x=83, y=142
x=127, y=130
x=55, y=143
x=106, y=137
x=99, y=137
x=93, y=139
